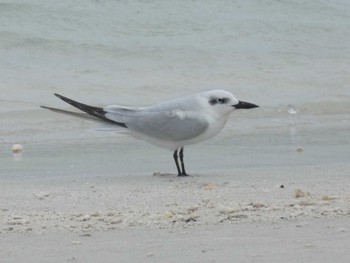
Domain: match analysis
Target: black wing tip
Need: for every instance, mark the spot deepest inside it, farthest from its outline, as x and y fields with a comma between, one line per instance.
x=60, y=96
x=48, y=108
x=91, y=110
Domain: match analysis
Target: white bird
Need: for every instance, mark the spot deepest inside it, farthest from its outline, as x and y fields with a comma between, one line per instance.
x=170, y=124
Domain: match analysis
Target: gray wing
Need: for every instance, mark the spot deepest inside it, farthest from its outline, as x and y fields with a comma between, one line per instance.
x=170, y=122
x=165, y=125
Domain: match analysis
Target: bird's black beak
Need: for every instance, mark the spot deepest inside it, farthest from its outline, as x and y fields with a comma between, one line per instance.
x=245, y=105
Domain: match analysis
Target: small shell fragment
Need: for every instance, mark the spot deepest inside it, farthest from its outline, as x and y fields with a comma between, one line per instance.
x=300, y=193
x=17, y=149
x=168, y=214
x=328, y=198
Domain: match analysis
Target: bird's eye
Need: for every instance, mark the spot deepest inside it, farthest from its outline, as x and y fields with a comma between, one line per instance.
x=222, y=100
x=214, y=101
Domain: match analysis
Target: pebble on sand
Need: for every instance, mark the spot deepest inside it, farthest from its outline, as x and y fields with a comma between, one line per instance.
x=300, y=149
x=257, y=205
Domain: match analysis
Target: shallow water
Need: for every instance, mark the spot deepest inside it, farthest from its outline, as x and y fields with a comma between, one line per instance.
x=140, y=52
x=291, y=58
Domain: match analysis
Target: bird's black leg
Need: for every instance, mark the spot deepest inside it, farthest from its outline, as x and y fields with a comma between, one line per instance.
x=181, y=155
x=177, y=163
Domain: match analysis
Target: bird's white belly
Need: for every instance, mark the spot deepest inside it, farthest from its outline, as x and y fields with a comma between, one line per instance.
x=214, y=127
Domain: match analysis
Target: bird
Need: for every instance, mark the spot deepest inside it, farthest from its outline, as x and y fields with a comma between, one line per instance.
x=171, y=124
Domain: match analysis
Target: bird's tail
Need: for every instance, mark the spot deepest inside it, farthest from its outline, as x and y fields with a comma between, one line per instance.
x=93, y=113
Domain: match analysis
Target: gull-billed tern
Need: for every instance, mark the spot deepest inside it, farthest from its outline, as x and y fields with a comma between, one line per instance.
x=170, y=124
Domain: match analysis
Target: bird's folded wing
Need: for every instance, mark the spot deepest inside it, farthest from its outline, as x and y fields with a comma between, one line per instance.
x=175, y=125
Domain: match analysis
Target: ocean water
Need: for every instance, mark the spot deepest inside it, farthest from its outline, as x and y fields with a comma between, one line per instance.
x=289, y=57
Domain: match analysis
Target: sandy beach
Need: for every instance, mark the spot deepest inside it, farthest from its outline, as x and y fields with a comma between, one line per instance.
x=295, y=215
x=273, y=186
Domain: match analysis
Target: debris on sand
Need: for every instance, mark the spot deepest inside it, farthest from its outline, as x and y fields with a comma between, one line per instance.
x=41, y=195
x=209, y=186
x=300, y=193
x=328, y=198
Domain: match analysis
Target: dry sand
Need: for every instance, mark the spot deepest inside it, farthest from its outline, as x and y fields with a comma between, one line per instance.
x=320, y=240
x=295, y=215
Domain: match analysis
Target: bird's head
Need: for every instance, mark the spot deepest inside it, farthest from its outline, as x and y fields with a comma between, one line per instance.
x=223, y=102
